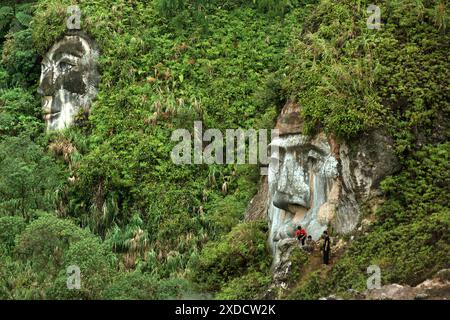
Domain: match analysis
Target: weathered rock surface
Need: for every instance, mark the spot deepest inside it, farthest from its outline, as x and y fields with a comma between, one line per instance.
x=282, y=259
x=366, y=161
x=436, y=288
x=433, y=289
x=257, y=208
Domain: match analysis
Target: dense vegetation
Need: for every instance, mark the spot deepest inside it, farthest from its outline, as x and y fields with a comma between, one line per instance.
x=104, y=195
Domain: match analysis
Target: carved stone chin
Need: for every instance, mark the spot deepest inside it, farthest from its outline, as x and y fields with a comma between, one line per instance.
x=69, y=80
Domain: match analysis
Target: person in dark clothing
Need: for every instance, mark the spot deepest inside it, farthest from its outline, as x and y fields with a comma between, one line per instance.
x=326, y=247
x=301, y=234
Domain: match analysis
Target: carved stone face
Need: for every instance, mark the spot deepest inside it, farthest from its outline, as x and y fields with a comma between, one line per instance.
x=303, y=186
x=301, y=183
x=69, y=80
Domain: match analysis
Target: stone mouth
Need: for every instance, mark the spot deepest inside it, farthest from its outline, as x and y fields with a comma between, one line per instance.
x=296, y=209
x=49, y=116
x=47, y=108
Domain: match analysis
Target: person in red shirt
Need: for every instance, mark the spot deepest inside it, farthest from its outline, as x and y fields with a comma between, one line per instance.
x=301, y=234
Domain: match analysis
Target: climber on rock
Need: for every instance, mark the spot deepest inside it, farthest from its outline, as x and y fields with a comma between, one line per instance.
x=326, y=247
x=301, y=234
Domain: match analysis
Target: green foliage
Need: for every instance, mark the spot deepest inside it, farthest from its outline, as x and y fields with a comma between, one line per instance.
x=414, y=82
x=311, y=288
x=19, y=56
x=10, y=227
x=28, y=177
x=19, y=113
x=136, y=285
x=424, y=186
x=96, y=263
x=238, y=253
x=408, y=254
x=298, y=260
x=14, y=17
x=48, y=11
x=132, y=286
x=331, y=74
x=176, y=288
x=19, y=281
x=45, y=240
x=349, y=78
x=6, y=15
x=19, y=110
x=49, y=245
x=171, y=8
x=250, y=286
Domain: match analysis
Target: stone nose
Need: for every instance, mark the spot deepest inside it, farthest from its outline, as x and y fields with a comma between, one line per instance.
x=289, y=172
x=292, y=185
x=280, y=201
x=46, y=87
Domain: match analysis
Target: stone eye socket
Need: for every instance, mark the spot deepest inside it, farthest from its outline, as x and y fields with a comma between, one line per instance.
x=44, y=67
x=64, y=66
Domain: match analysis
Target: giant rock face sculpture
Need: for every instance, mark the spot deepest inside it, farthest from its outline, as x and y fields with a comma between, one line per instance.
x=317, y=183
x=303, y=184
x=69, y=80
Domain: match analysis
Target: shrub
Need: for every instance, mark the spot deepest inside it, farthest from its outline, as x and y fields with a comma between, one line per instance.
x=136, y=285
x=97, y=267
x=250, y=286
x=28, y=177
x=45, y=240
x=10, y=227
x=19, y=113
x=240, y=251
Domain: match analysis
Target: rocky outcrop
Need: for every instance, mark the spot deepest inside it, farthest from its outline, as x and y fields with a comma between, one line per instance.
x=366, y=161
x=283, y=262
x=257, y=208
x=436, y=288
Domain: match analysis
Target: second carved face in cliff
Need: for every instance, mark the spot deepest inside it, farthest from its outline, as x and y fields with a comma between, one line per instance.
x=69, y=80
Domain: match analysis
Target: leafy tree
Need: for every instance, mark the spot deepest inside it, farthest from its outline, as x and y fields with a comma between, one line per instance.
x=250, y=286
x=142, y=286
x=131, y=286
x=19, y=56
x=46, y=239
x=19, y=113
x=19, y=281
x=10, y=227
x=28, y=177
x=96, y=263
x=241, y=251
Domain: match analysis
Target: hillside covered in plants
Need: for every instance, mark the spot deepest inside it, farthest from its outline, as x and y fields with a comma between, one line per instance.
x=105, y=195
